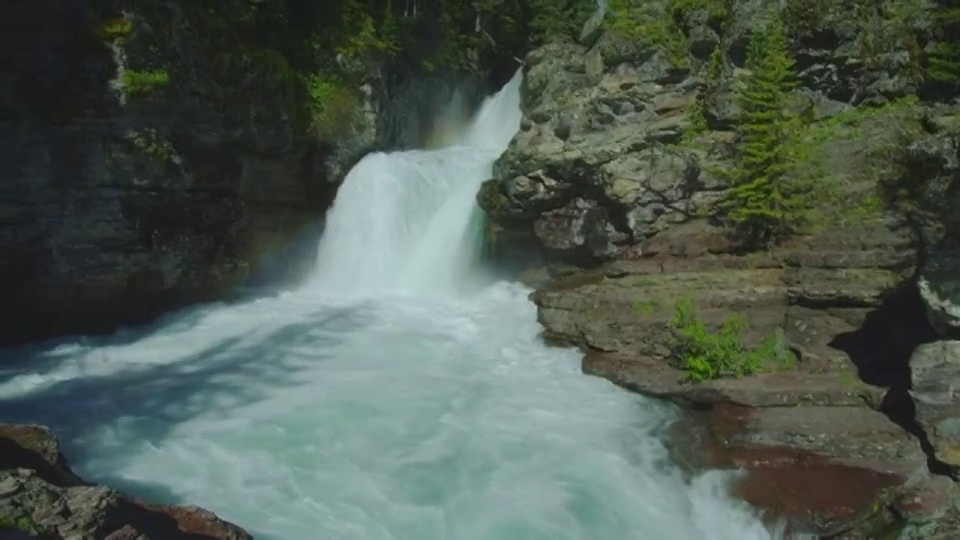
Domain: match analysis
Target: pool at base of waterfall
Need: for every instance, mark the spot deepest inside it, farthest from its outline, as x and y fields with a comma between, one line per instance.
x=396, y=395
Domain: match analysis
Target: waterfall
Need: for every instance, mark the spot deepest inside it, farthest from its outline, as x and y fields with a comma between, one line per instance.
x=407, y=221
x=380, y=401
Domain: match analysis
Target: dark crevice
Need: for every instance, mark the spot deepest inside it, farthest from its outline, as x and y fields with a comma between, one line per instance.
x=882, y=346
x=899, y=407
x=881, y=350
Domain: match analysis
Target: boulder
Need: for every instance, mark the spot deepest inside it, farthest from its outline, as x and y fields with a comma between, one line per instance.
x=40, y=497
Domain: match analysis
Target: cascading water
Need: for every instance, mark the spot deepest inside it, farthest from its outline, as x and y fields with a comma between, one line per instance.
x=346, y=411
x=406, y=221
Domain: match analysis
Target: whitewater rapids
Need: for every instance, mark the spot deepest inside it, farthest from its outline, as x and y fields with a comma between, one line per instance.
x=395, y=396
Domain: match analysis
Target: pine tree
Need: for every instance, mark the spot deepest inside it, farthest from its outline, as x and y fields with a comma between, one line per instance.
x=943, y=63
x=765, y=201
x=557, y=19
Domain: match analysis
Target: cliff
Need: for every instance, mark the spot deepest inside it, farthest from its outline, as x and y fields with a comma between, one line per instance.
x=607, y=201
x=161, y=153
x=152, y=163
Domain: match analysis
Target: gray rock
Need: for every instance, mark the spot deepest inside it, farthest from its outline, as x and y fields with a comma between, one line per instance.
x=935, y=370
x=581, y=229
x=933, y=164
x=126, y=202
x=41, y=497
x=593, y=28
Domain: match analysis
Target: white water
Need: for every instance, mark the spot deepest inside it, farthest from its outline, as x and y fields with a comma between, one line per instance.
x=381, y=401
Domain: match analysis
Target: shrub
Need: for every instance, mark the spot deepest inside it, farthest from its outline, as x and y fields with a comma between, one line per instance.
x=139, y=82
x=706, y=355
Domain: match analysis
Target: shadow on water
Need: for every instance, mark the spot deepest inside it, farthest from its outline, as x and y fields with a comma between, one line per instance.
x=146, y=403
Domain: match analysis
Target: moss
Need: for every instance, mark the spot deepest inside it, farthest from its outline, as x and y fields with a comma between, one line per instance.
x=697, y=125
x=152, y=144
x=716, y=9
x=650, y=23
x=332, y=105
x=646, y=307
x=803, y=16
x=137, y=82
x=114, y=28
x=887, y=27
x=849, y=200
x=21, y=523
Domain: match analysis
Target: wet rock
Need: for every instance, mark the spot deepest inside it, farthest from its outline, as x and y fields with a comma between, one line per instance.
x=41, y=496
x=830, y=470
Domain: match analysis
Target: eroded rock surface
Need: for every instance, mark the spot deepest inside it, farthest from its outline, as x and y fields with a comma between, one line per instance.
x=601, y=197
x=148, y=163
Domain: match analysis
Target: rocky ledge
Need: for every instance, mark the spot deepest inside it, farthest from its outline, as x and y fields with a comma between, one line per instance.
x=832, y=441
x=40, y=497
x=600, y=203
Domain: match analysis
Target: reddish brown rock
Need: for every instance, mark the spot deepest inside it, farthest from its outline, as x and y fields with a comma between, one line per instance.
x=816, y=447
x=34, y=447
x=829, y=470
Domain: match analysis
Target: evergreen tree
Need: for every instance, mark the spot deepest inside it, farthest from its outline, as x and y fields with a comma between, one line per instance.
x=765, y=201
x=943, y=63
x=557, y=19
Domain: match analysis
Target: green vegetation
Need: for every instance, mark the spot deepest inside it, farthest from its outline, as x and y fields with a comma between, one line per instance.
x=717, y=10
x=697, y=125
x=556, y=19
x=650, y=23
x=706, y=355
x=803, y=16
x=22, y=523
x=331, y=104
x=114, y=28
x=886, y=27
x=317, y=55
x=646, y=307
x=663, y=23
x=141, y=82
x=148, y=141
x=943, y=63
x=766, y=201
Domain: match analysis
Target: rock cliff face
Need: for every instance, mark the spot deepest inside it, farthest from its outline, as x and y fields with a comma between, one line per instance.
x=156, y=154
x=599, y=202
x=143, y=172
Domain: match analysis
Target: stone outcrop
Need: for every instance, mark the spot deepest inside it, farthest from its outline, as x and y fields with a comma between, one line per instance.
x=40, y=497
x=599, y=202
x=806, y=432
x=935, y=160
x=936, y=396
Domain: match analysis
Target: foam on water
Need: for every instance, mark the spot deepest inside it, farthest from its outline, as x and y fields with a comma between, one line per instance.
x=380, y=401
